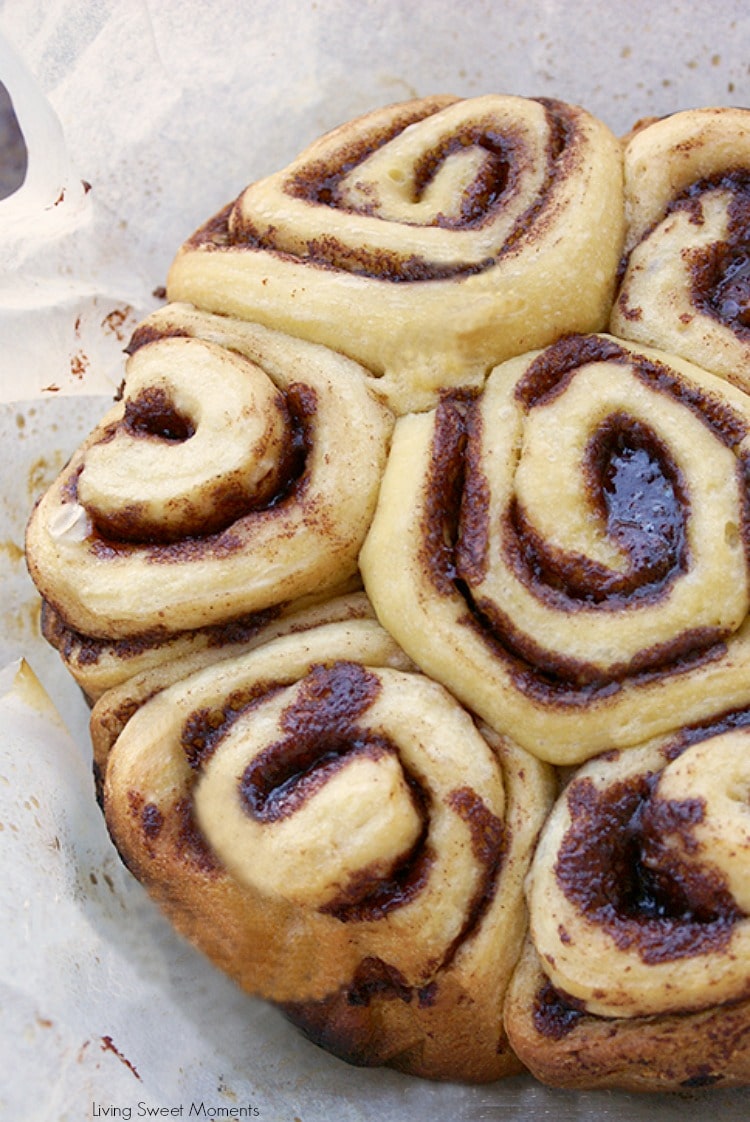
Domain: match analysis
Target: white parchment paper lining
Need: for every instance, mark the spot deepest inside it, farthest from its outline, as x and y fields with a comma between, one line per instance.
x=142, y=120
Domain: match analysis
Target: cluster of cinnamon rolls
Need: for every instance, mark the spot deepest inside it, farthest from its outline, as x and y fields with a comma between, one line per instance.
x=408, y=580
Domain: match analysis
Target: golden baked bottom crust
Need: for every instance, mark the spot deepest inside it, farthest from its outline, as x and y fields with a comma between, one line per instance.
x=370, y=877
x=635, y=973
x=412, y=607
x=564, y=1047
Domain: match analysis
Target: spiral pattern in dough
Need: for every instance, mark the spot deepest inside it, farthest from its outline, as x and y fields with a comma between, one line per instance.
x=428, y=240
x=637, y=971
x=102, y=665
x=239, y=471
x=639, y=894
x=161, y=665
x=686, y=288
x=568, y=552
x=338, y=834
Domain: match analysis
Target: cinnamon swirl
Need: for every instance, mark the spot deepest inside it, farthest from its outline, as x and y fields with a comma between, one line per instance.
x=192, y=651
x=342, y=838
x=428, y=240
x=686, y=287
x=102, y=665
x=638, y=971
x=239, y=471
x=568, y=551
x=384, y=531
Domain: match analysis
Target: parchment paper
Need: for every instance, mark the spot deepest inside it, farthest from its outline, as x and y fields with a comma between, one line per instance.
x=141, y=121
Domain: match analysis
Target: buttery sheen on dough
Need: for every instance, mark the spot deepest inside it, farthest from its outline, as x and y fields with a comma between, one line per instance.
x=428, y=240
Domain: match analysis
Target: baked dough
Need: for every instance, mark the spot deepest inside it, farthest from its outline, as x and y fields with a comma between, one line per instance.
x=92, y=547
x=186, y=654
x=428, y=240
x=686, y=288
x=340, y=836
x=386, y=365
x=567, y=552
x=638, y=967
x=101, y=665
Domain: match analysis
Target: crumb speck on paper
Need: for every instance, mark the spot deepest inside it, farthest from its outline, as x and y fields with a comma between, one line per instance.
x=108, y=1045
x=117, y=321
x=79, y=364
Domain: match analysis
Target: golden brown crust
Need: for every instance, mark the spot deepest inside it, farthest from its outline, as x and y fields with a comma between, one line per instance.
x=361, y=879
x=635, y=971
x=563, y=1047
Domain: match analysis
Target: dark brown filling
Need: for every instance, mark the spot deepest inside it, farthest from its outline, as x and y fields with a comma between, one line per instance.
x=613, y=867
x=151, y=416
x=319, y=183
x=174, y=827
x=555, y=1014
x=152, y=413
x=640, y=495
x=730, y=294
x=721, y=271
x=496, y=177
x=634, y=484
x=321, y=735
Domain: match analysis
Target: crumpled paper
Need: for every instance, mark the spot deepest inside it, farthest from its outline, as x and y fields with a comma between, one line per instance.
x=141, y=120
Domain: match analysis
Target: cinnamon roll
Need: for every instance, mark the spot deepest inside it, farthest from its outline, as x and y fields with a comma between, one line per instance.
x=100, y=666
x=686, y=287
x=638, y=970
x=428, y=240
x=192, y=651
x=239, y=471
x=568, y=550
x=342, y=838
